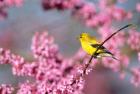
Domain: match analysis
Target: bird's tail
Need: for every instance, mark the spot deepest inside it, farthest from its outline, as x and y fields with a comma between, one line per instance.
x=115, y=58
x=112, y=55
x=108, y=54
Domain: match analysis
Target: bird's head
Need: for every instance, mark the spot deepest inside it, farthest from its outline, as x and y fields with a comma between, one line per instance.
x=83, y=36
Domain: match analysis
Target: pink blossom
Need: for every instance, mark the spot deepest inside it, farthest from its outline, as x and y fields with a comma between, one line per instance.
x=6, y=89
x=134, y=39
x=135, y=76
x=138, y=7
x=5, y=56
x=40, y=48
x=49, y=4
x=86, y=11
x=101, y=19
x=3, y=12
x=104, y=19
x=60, y=4
x=115, y=42
x=70, y=4
x=54, y=74
x=118, y=13
x=5, y=4
x=104, y=4
x=51, y=72
x=80, y=54
x=110, y=63
x=117, y=65
x=13, y=2
x=113, y=45
x=93, y=15
x=27, y=88
x=93, y=22
x=52, y=69
x=139, y=56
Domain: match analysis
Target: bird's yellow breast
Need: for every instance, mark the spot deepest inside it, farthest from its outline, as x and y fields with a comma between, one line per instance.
x=88, y=48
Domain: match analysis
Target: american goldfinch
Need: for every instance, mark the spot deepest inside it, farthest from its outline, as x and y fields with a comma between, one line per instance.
x=90, y=45
x=96, y=49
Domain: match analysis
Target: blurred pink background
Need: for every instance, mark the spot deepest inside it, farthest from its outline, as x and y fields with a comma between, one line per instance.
x=16, y=33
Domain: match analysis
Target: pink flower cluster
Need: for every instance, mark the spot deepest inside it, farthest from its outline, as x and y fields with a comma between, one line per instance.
x=138, y=7
x=94, y=15
x=6, y=89
x=139, y=56
x=134, y=40
x=51, y=73
x=136, y=76
x=61, y=4
x=5, y=4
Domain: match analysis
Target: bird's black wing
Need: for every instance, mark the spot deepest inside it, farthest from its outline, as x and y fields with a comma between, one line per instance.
x=104, y=50
x=97, y=45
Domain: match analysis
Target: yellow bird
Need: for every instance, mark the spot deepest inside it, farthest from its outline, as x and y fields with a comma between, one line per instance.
x=90, y=45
